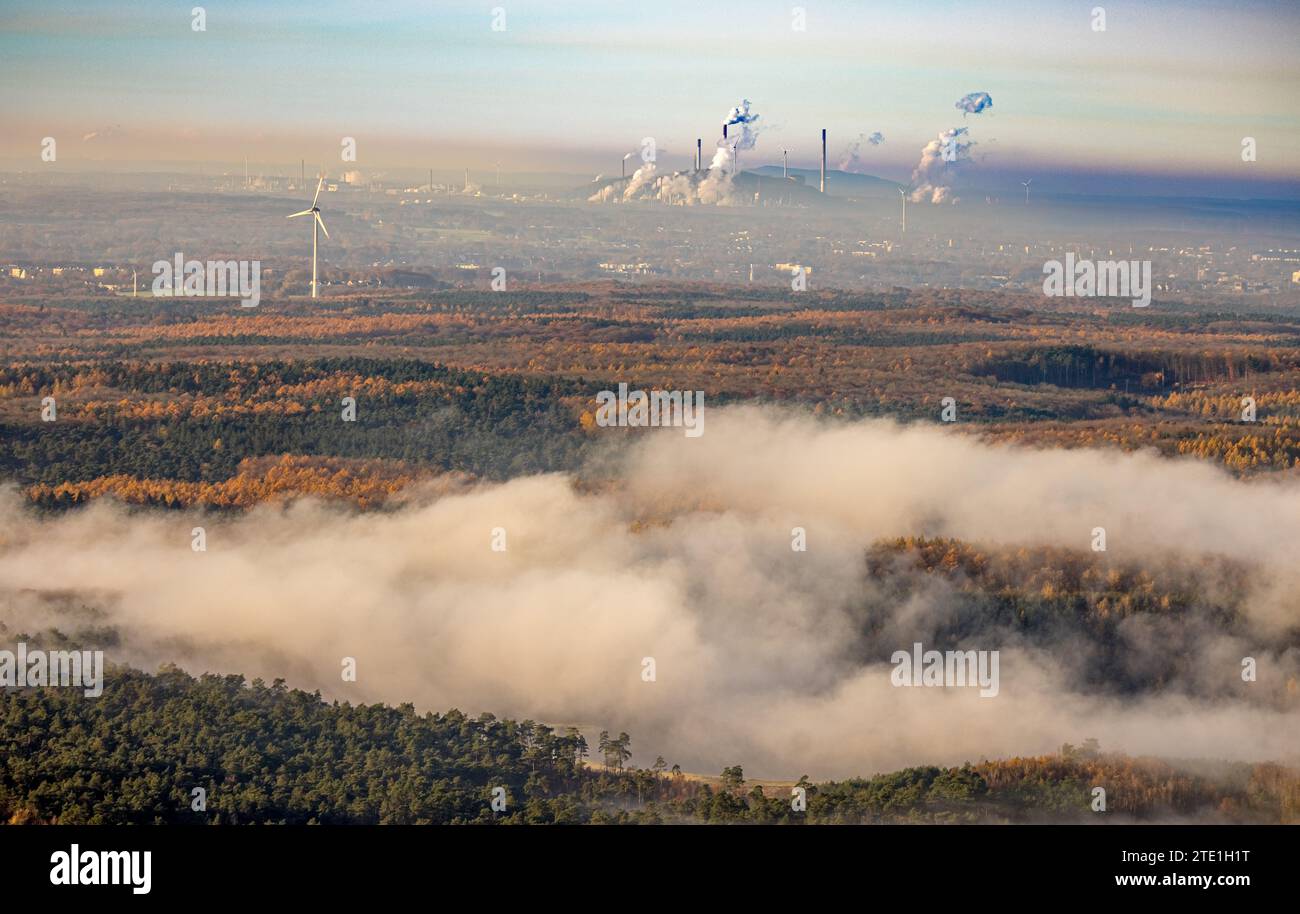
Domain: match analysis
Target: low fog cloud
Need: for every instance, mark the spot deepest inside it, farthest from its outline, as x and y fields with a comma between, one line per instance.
x=775, y=659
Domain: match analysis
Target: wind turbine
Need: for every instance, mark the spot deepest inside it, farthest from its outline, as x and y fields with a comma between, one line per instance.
x=1026, y=184
x=902, y=193
x=314, y=212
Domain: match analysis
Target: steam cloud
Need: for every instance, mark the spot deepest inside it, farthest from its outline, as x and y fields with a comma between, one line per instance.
x=641, y=178
x=713, y=186
x=766, y=657
x=748, y=123
x=974, y=103
x=851, y=160
x=932, y=177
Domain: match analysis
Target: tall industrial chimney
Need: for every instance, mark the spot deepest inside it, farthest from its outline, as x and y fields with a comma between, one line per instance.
x=823, y=160
x=724, y=131
x=699, y=152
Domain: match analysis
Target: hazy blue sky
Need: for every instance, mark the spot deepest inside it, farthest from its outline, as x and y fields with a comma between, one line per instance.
x=1167, y=88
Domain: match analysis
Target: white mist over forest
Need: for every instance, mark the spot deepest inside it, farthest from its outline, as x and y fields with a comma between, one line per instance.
x=764, y=656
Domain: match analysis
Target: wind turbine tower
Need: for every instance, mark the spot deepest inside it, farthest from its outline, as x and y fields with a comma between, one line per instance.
x=316, y=222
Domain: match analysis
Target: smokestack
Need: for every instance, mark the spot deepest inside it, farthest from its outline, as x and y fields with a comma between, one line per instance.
x=823, y=160
x=302, y=172
x=699, y=152
x=724, y=131
x=466, y=180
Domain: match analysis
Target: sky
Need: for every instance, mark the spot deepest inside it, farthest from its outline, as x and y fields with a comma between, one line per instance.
x=1167, y=89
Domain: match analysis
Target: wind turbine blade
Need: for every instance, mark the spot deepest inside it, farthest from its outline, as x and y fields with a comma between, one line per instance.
x=318, y=187
x=322, y=225
x=305, y=212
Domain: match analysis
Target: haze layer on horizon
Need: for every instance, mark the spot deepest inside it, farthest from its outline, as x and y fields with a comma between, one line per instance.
x=1167, y=90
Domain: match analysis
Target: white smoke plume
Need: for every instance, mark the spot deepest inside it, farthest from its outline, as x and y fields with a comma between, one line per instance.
x=974, y=103
x=760, y=651
x=679, y=188
x=740, y=116
x=642, y=179
x=932, y=177
x=715, y=186
x=851, y=160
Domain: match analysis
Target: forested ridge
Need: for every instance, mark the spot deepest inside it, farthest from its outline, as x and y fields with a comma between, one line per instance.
x=196, y=422
x=159, y=402
x=270, y=754
x=172, y=404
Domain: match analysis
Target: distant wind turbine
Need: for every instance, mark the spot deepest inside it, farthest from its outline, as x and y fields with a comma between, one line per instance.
x=1027, y=183
x=314, y=212
x=902, y=193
